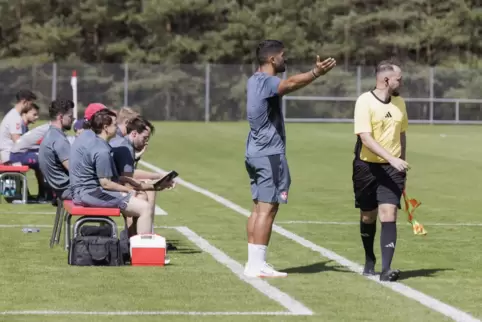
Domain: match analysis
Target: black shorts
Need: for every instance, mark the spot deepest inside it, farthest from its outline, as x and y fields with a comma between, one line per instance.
x=376, y=183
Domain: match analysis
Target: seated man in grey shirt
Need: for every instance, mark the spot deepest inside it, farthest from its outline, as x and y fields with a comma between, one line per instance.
x=54, y=150
x=124, y=150
x=95, y=181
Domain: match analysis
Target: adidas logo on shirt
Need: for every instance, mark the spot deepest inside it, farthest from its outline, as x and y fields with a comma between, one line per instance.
x=388, y=115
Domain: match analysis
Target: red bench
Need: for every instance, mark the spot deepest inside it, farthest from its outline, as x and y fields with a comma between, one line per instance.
x=16, y=172
x=91, y=214
x=90, y=211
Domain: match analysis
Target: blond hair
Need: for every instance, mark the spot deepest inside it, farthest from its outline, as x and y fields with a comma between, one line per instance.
x=126, y=114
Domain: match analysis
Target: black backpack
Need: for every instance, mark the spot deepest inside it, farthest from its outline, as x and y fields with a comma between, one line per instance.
x=95, y=245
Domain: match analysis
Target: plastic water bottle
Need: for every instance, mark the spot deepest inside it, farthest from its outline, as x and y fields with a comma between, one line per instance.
x=29, y=230
x=6, y=188
x=13, y=190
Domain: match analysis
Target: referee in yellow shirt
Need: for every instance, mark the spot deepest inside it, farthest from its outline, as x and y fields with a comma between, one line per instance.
x=379, y=167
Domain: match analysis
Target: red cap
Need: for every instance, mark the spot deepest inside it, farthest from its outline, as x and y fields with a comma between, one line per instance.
x=92, y=109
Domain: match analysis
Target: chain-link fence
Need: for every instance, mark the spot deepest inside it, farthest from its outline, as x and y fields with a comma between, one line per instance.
x=214, y=92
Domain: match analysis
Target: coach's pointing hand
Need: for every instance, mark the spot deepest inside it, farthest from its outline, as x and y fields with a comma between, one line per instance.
x=323, y=67
x=399, y=164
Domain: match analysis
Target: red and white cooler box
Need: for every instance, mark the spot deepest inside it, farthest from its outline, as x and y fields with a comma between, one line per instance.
x=148, y=250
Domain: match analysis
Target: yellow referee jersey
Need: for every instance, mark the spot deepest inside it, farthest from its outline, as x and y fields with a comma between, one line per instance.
x=385, y=120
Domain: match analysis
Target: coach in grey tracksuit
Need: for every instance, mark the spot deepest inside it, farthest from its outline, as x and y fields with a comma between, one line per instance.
x=265, y=159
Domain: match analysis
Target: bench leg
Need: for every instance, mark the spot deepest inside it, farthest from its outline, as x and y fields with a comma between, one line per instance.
x=68, y=218
x=59, y=218
x=58, y=214
x=24, y=189
x=61, y=223
x=2, y=183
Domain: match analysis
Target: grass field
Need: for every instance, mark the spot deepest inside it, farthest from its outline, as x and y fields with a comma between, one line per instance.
x=203, y=276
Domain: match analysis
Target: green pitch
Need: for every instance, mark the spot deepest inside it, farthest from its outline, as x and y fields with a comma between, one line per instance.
x=446, y=176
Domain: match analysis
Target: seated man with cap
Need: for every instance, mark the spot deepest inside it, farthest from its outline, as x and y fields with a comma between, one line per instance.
x=54, y=152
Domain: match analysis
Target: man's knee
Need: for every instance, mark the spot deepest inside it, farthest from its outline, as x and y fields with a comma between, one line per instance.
x=387, y=212
x=267, y=208
x=368, y=216
x=138, y=207
x=142, y=195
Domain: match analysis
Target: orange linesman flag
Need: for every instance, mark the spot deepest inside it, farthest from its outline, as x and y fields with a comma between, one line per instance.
x=410, y=206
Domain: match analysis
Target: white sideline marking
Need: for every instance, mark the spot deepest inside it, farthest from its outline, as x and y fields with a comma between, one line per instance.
x=289, y=222
x=50, y=226
x=428, y=301
x=264, y=287
x=357, y=223
x=26, y=226
x=138, y=313
x=32, y=212
x=159, y=211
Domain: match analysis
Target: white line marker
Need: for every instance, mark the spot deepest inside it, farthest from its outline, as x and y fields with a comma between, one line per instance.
x=264, y=287
x=50, y=226
x=426, y=224
x=32, y=212
x=26, y=226
x=138, y=313
x=428, y=301
x=159, y=211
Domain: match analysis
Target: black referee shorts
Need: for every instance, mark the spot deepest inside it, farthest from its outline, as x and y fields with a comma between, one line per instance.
x=376, y=183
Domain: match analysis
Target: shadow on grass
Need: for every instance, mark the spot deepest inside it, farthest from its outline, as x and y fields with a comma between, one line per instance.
x=314, y=268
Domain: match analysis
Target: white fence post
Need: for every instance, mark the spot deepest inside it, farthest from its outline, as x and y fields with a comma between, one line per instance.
x=207, y=94
x=126, y=84
x=54, y=81
x=283, y=101
x=358, y=80
x=431, y=84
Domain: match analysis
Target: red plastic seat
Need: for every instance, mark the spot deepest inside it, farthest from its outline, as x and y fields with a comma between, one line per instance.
x=14, y=168
x=90, y=211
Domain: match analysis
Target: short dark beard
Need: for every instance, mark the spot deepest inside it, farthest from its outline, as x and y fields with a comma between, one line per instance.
x=280, y=69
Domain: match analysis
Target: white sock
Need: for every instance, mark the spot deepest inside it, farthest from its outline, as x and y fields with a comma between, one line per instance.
x=259, y=256
x=251, y=253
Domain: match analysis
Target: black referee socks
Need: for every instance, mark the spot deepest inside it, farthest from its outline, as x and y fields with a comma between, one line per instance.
x=388, y=241
x=367, y=232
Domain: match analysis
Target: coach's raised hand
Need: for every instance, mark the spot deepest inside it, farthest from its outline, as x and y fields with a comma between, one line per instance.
x=323, y=67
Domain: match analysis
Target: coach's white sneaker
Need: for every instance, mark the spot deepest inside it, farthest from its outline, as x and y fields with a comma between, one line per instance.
x=265, y=272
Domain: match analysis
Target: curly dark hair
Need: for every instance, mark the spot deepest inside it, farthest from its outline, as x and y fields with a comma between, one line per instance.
x=25, y=94
x=60, y=107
